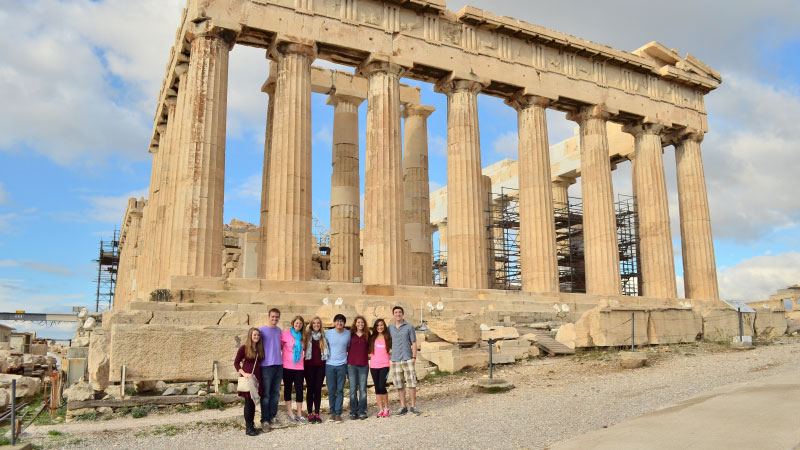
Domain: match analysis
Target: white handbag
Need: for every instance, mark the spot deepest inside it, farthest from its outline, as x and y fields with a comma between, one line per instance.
x=244, y=383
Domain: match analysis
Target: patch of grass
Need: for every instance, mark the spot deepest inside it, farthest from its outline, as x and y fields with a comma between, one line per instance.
x=76, y=442
x=211, y=403
x=55, y=433
x=44, y=417
x=5, y=441
x=437, y=375
x=167, y=430
x=142, y=411
x=92, y=415
x=183, y=410
x=496, y=389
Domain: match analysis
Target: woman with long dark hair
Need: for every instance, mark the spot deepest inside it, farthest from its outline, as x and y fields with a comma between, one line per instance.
x=379, y=348
x=246, y=364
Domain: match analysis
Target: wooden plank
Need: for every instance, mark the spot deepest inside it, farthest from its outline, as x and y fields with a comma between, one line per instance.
x=552, y=346
x=149, y=400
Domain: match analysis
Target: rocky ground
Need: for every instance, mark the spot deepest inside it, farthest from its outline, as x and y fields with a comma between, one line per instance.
x=554, y=399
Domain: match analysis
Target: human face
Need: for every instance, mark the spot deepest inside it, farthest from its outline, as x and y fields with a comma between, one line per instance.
x=380, y=327
x=255, y=336
x=274, y=318
x=339, y=324
x=316, y=325
x=398, y=315
x=298, y=325
x=360, y=325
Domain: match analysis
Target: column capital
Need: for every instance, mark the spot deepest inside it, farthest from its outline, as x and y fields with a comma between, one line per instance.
x=379, y=63
x=583, y=113
x=563, y=181
x=336, y=97
x=521, y=100
x=208, y=30
x=686, y=134
x=638, y=129
x=451, y=84
x=417, y=110
x=283, y=46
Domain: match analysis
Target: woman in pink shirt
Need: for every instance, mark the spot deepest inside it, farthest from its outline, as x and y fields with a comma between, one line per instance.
x=293, y=356
x=380, y=345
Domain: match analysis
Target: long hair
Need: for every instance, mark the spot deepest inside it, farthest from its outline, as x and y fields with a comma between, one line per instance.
x=253, y=350
x=353, y=328
x=387, y=337
x=323, y=344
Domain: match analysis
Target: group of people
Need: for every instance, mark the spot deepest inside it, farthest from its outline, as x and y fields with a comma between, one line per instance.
x=308, y=354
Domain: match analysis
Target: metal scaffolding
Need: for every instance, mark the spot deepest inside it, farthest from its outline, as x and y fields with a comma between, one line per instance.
x=504, y=239
x=107, y=263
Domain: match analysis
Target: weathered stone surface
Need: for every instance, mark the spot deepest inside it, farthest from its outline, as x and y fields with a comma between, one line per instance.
x=770, y=324
x=90, y=323
x=79, y=391
x=566, y=335
x=187, y=318
x=38, y=349
x=673, y=326
x=434, y=346
x=326, y=313
x=502, y=358
x=192, y=390
x=632, y=360
x=722, y=324
x=161, y=386
x=122, y=317
x=81, y=341
x=453, y=360
x=458, y=330
x=234, y=318
x=173, y=390
x=26, y=386
x=612, y=327
x=98, y=361
x=5, y=397
x=500, y=333
x=193, y=351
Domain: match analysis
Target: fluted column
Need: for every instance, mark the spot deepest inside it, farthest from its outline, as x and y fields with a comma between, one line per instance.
x=288, y=248
x=168, y=149
x=560, y=186
x=537, y=228
x=269, y=89
x=488, y=233
x=200, y=186
x=345, y=262
x=601, y=250
x=416, y=188
x=466, y=259
x=699, y=264
x=650, y=189
x=384, y=227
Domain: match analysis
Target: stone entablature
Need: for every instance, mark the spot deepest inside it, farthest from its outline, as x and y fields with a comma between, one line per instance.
x=653, y=83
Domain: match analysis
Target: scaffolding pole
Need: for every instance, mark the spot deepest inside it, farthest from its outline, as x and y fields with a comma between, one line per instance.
x=107, y=265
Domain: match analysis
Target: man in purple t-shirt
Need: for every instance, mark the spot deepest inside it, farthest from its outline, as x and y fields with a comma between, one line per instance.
x=271, y=369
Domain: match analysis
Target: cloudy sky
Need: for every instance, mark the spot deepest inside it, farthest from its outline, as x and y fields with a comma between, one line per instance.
x=79, y=80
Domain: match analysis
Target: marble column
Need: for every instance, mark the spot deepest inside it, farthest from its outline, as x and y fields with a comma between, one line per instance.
x=560, y=186
x=198, y=223
x=163, y=214
x=416, y=188
x=345, y=262
x=650, y=190
x=537, y=227
x=601, y=250
x=466, y=260
x=488, y=233
x=288, y=250
x=699, y=264
x=269, y=89
x=384, y=226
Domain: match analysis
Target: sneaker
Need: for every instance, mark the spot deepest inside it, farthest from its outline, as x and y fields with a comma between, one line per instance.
x=301, y=420
x=292, y=418
x=380, y=414
x=353, y=416
x=338, y=418
x=403, y=411
x=415, y=410
x=251, y=430
x=265, y=427
x=386, y=412
x=362, y=417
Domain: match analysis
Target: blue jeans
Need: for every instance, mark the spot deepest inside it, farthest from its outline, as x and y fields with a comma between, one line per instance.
x=358, y=389
x=271, y=377
x=336, y=376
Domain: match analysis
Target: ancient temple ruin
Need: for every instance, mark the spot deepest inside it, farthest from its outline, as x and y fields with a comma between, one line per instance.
x=172, y=270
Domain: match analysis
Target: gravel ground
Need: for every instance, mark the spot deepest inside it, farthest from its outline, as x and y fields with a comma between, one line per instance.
x=555, y=399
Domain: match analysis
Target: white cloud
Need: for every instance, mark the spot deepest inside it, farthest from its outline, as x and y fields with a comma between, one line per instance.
x=757, y=278
x=250, y=188
x=5, y=222
x=111, y=209
x=9, y=263
x=5, y=197
x=52, y=269
x=324, y=135
x=83, y=76
x=506, y=144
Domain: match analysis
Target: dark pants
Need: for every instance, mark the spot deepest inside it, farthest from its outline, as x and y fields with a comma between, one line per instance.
x=291, y=378
x=315, y=376
x=358, y=389
x=249, y=411
x=336, y=376
x=379, y=377
x=270, y=391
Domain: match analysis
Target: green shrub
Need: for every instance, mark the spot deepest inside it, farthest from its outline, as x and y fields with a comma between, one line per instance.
x=211, y=403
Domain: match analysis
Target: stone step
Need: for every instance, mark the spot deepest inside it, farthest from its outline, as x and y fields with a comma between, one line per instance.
x=551, y=346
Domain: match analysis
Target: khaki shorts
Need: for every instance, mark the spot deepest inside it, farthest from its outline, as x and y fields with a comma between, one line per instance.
x=404, y=374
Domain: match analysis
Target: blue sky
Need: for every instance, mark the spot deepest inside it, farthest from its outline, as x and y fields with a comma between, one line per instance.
x=79, y=81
